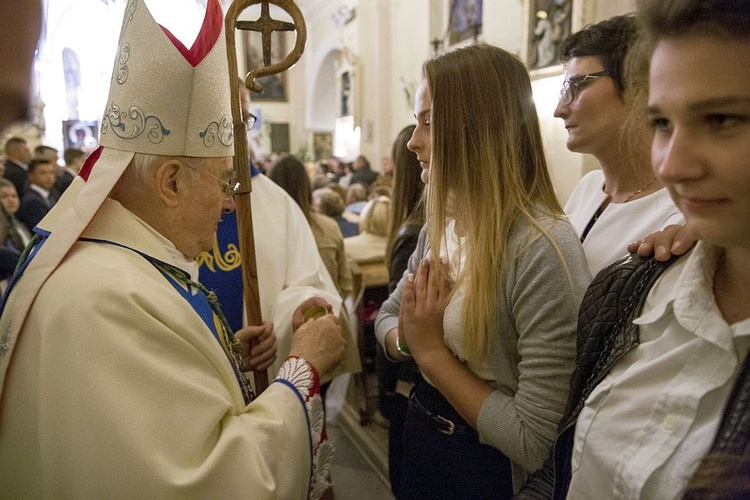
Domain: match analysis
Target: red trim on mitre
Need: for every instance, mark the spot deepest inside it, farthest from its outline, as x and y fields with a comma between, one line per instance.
x=207, y=37
x=89, y=163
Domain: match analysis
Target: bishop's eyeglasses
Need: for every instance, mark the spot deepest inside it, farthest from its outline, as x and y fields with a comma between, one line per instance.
x=249, y=119
x=229, y=188
x=573, y=86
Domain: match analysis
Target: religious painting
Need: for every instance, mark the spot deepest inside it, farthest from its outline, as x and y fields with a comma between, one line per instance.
x=83, y=135
x=274, y=86
x=322, y=145
x=549, y=25
x=465, y=20
x=280, y=138
x=345, y=84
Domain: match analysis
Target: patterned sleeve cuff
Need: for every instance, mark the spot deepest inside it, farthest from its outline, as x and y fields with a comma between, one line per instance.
x=304, y=378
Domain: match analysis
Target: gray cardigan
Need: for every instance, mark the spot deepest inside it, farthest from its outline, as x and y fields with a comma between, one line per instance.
x=534, y=351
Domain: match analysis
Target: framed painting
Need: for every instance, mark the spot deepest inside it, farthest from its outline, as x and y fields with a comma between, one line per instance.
x=465, y=20
x=81, y=135
x=274, y=86
x=322, y=145
x=549, y=24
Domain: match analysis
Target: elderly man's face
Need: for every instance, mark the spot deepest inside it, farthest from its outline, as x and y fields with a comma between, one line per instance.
x=206, y=202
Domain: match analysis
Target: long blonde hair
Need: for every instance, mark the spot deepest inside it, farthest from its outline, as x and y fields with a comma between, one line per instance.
x=488, y=165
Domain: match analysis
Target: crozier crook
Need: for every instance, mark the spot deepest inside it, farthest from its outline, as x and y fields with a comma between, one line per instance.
x=246, y=239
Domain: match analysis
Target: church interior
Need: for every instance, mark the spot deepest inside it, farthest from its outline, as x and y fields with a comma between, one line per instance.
x=349, y=95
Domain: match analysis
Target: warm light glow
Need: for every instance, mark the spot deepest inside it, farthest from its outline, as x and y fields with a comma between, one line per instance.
x=91, y=31
x=346, y=139
x=546, y=95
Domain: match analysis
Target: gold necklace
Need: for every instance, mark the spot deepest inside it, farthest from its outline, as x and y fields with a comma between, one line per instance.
x=640, y=190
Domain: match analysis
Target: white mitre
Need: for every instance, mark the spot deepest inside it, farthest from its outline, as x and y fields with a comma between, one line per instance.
x=165, y=104
x=164, y=99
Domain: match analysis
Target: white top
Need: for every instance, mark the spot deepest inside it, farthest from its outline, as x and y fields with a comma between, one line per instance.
x=647, y=425
x=620, y=224
x=454, y=252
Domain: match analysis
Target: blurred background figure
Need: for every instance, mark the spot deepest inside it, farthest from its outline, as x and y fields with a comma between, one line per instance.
x=290, y=174
x=38, y=198
x=74, y=159
x=369, y=246
x=356, y=199
x=17, y=158
x=13, y=234
x=362, y=173
x=47, y=153
x=328, y=202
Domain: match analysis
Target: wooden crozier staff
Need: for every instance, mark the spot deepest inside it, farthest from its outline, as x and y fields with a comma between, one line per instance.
x=246, y=239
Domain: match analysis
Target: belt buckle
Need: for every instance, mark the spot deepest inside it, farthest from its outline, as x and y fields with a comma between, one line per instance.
x=451, y=427
x=442, y=424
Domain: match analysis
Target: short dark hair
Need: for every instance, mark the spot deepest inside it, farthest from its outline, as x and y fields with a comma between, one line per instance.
x=610, y=40
x=33, y=164
x=13, y=141
x=670, y=18
x=71, y=155
x=42, y=150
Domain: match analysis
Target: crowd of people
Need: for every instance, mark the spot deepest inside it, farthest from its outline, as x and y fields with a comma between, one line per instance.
x=522, y=351
x=31, y=185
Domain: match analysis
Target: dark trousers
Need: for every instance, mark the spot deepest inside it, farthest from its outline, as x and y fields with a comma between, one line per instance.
x=440, y=466
x=393, y=406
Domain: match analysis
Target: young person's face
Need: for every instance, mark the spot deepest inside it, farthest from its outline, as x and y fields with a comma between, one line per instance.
x=421, y=142
x=44, y=176
x=699, y=106
x=9, y=199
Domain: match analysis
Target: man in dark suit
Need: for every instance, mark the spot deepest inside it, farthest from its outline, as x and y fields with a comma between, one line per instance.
x=74, y=159
x=37, y=199
x=17, y=155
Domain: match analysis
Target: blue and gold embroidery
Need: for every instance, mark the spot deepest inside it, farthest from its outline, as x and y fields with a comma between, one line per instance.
x=223, y=261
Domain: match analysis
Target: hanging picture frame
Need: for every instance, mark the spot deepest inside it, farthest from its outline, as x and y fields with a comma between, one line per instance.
x=549, y=23
x=322, y=145
x=275, y=87
x=465, y=21
x=81, y=135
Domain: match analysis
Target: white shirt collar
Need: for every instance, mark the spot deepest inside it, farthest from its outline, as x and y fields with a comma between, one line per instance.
x=687, y=290
x=22, y=165
x=40, y=190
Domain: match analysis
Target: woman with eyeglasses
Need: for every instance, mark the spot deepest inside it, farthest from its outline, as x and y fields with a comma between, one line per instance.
x=601, y=102
x=488, y=305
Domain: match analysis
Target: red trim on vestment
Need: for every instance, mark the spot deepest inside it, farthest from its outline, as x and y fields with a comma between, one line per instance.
x=89, y=163
x=207, y=37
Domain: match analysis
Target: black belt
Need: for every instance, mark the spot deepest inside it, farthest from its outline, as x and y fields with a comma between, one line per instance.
x=441, y=424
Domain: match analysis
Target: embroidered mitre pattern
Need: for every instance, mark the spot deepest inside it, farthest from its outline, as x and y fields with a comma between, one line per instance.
x=191, y=116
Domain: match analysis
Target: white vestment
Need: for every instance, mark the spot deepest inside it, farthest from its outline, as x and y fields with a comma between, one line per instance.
x=289, y=268
x=118, y=389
